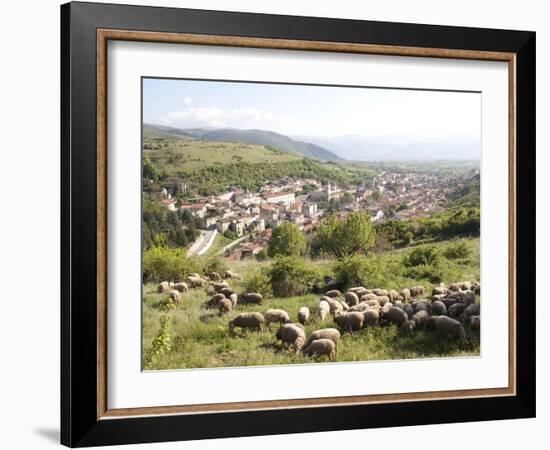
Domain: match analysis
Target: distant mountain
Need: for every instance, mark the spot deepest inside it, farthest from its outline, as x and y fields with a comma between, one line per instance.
x=259, y=137
x=161, y=130
x=359, y=148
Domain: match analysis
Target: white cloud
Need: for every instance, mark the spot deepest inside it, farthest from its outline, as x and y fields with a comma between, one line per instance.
x=187, y=101
x=212, y=116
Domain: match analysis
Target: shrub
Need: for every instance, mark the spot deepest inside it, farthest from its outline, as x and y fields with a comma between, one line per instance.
x=215, y=264
x=360, y=270
x=291, y=276
x=432, y=273
x=258, y=281
x=163, y=263
x=423, y=255
x=458, y=250
x=262, y=255
x=161, y=344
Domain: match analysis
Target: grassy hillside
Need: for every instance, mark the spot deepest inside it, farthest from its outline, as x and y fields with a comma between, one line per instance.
x=175, y=155
x=200, y=338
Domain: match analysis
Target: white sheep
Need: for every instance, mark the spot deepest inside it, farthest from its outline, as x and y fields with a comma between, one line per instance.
x=275, y=315
x=303, y=315
x=323, y=310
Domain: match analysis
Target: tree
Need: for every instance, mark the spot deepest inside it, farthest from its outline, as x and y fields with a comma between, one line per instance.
x=345, y=237
x=149, y=169
x=286, y=240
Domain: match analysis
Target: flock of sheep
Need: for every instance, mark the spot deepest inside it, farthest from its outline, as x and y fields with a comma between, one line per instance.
x=448, y=311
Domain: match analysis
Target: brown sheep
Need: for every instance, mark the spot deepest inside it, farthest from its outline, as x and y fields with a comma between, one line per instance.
x=275, y=315
x=252, y=297
x=163, y=287
x=350, y=321
x=333, y=293
x=405, y=295
x=227, y=291
x=419, y=320
x=325, y=333
x=370, y=317
x=181, y=287
x=456, y=309
x=351, y=298
x=360, y=291
x=225, y=306
x=291, y=334
x=214, y=276
x=214, y=301
x=321, y=347
x=470, y=310
x=475, y=322
x=218, y=286
x=174, y=297
x=194, y=282
x=247, y=320
x=395, y=316
x=450, y=327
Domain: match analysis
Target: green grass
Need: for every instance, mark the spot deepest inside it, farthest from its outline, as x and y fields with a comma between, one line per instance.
x=220, y=241
x=200, y=338
x=176, y=156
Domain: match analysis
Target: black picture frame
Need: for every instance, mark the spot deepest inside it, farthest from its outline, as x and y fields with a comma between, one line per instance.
x=80, y=425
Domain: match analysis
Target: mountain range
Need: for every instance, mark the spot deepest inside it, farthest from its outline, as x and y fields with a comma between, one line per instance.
x=340, y=148
x=259, y=137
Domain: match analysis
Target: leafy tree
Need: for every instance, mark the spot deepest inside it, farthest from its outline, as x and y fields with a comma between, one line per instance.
x=345, y=237
x=286, y=240
x=149, y=169
x=423, y=255
x=291, y=276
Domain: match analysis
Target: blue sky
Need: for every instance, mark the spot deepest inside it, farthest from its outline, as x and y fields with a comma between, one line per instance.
x=313, y=110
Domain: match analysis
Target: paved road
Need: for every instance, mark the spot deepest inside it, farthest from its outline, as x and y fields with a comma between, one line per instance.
x=203, y=243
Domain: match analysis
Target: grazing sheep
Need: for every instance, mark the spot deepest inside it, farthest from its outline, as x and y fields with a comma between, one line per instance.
x=360, y=307
x=439, y=291
x=275, y=315
x=430, y=324
x=360, y=291
x=369, y=296
x=416, y=291
x=450, y=327
x=398, y=304
x=420, y=305
x=409, y=310
x=382, y=300
x=323, y=310
x=252, y=297
x=335, y=306
x=351, y=298
x=345, y=306
x=350, y=321
x=405, y=295
x=232, y=275
x=386, y=308
x=470, y=310
x=475, y=322
x=291, y=334
x=163, y=287
x=194, y=274
x=371, y=302
x=227, y=291
x=333, y=293
x=220, y=285
x=303, y=315
x=466, y=286
x=194, y=282
x=215, y=276
x=175, y=297
x=420, y=319
x=448, y=301
x=214, y=301
x=225, y=306
x=455, y=287
x=393, y=295
x=325, y=333
x=438, y=308
x=380, y=292
x=370, y=317
x=181, y=287
x=251, y=320
x=234, y=299
x=467, y=297
x=476, y=287
x=321, y=347
x=396, y=316
x=456, y=309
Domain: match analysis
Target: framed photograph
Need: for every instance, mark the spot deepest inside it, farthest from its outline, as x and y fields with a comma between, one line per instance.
x=277, y=224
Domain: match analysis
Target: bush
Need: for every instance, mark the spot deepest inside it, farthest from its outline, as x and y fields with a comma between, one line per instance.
x=459, y=250
x=423, y=255
x=262, y=255
x=163, y=263
x=432, y=273
x=291, y=276
x=215, y=264
x=258, y=281
x=360, y=270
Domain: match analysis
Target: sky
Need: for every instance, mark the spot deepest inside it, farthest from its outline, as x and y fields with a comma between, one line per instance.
x=323, y=111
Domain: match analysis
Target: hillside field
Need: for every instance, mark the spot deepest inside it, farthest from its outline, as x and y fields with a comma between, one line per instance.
x=199, y=338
